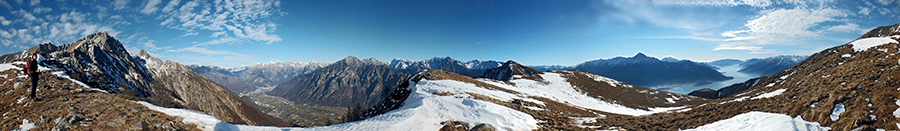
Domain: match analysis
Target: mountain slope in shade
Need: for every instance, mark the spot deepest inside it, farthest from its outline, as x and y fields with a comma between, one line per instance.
x=550, y=67
x=649, y=72
x=100, y=61
x=770, y=65
x=848, y=87
x=345, y=83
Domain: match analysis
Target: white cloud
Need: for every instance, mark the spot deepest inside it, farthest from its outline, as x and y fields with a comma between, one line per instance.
x=226, y=40
x=151, y=6
x=190, y=33
x=171, y=5
x=782, y=26
x=215, y=34
x=39, y=10
x=244, y=19
x=753, y=3
x=885, y=2
x=4, y=4
x=864, y=11
x=120, y=4
x=4, y=22
x=847, y=28
x=35, y=2
x=26, y=15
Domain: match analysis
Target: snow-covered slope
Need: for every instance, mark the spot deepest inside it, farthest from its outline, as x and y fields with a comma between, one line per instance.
x=762, y=121
x=443, y=96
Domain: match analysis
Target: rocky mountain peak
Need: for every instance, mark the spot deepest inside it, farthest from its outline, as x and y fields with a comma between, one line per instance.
x=883, y=31
x=640, y=55
x=506, y=71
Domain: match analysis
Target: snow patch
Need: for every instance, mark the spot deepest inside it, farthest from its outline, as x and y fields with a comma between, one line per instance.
x=846, y=55
x=836, y=113
x=26, y=125
x=63, y=75
x=770, y=94
x=762, y=121
x=866, y=43
x=8, y=66
x=897, y=112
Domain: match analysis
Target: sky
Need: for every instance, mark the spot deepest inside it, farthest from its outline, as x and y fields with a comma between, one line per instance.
x=532, y=32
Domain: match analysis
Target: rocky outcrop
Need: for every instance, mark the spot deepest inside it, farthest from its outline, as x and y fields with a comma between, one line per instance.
x=345, y=83
x=506, y=71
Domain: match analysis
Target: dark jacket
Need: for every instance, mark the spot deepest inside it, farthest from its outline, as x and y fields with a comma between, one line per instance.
x=31, y=67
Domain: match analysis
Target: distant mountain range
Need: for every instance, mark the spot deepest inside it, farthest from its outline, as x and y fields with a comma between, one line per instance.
x=770, y=65
x=470, y=68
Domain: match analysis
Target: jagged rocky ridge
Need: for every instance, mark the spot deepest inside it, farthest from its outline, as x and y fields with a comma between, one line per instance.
x=246, y=78
x=471, y=68
x=509, y=69
x=100, y=61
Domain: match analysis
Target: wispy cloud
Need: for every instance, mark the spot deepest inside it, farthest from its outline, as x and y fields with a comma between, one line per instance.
x=244, y=19
x=150, y=7
x=200, y=50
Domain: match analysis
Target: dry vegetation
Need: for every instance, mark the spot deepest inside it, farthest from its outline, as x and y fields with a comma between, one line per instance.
x=826, y=78
x=65, y=105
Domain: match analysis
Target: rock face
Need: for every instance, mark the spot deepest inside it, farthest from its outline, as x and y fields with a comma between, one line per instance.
x=100, y=61
x=345, y=83
x=646, y=71
x=508, y=69
x=471, y=68
x=770, y=65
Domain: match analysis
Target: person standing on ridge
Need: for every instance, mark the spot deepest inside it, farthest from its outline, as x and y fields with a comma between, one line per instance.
x=31, y=69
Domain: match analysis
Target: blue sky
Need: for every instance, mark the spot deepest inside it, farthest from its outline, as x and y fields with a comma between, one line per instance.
x=532, y=32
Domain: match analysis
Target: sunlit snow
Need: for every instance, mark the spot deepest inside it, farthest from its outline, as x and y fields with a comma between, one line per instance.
x=770, y=94
x=866, y=43
x=762, y=121
x=836, y=112
x=26, y=125
x=421, y=111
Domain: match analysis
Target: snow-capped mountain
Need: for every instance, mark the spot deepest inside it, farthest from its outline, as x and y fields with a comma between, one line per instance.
x=770, y=65
x=100, y=61
x=247, y=78
x=550, y=67
x=470, y=68
x=647, y=71
x=344, y=83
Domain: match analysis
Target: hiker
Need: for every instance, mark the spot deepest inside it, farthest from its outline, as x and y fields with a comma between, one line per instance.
x=31, y=69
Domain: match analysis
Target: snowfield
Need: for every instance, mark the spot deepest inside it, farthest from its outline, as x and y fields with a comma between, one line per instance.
x=866, y=43
x=559, y=90
x=421, y=111
x=762, y=121
x=425, y=111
